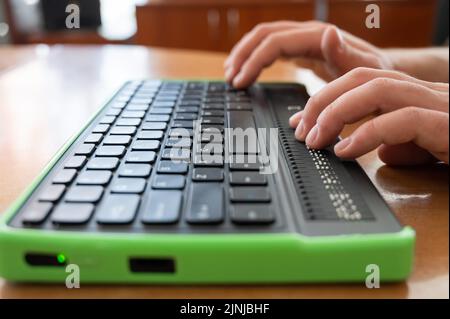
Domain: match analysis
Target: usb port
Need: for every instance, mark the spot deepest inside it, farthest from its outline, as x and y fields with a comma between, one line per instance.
x=152, y=265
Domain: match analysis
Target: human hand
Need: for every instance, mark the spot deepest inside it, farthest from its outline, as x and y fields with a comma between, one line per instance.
x=330, y=52
x=411, y=126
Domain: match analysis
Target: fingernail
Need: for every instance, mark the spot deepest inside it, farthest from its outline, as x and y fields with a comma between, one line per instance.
x=339, y=147
x=340, y=38
x=229, y=73
x=294, y=119
x=237, y=79
x=313, y=134
x=299, y=130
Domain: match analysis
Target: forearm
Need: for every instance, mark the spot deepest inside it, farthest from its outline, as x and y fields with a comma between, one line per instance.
x=429, y=64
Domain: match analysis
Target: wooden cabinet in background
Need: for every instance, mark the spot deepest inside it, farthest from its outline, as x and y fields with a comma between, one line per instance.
x=218, y=24
x=211, y=25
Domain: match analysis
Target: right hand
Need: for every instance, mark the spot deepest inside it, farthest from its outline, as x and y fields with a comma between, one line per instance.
x=322, y=47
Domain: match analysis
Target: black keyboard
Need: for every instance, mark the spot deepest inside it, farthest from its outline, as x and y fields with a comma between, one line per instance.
x=182, y=156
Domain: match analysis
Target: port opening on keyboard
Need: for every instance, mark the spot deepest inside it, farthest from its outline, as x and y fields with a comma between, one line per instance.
x=151, y=265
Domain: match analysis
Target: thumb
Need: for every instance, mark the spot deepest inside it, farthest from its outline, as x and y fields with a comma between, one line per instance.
x=341, y=57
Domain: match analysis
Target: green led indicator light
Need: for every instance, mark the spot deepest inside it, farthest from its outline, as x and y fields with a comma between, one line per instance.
x=61, y=258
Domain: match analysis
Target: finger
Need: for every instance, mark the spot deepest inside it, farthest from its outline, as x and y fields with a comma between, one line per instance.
x=353, y=79
x=341, y=56
x=404, y=154
x=242, y=50
x=381, y=95
x=295, y=119
x=285, y=43
x=427, y=129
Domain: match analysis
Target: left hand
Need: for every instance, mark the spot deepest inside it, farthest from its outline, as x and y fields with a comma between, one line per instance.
x=411, y=125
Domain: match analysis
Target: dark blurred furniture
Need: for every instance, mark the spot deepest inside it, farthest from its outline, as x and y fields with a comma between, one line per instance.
x=403, y=23
x=218, y=24
x=211, y=24
x=54, y=13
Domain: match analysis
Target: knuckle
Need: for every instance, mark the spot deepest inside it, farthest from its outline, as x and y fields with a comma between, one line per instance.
x=262, y=28
x=413, y=113
x=381, y=83
x=361, y=73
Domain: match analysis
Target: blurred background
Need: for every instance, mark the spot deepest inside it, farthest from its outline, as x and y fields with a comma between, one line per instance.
x=213, y=25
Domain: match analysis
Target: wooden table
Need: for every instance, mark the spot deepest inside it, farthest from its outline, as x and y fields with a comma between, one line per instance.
x=47, y=93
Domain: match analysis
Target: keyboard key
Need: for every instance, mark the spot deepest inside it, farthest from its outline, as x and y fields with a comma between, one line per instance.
x=176, y=154
x=157, y=118
x=101, y=128
x=94, y=178
x=239, y=106
x=110, y=151
x=135, y=170
x=211, y=138
x=212, y=120
x=118, y=209
x=252, y=214
x=181, y=132
x=205, y=204
x=141, y=145
x=113, y=112
x=117, y=140
x=207, y=175
x=188, y=109
x=209, y=148
x=169, y=181
x=178, y=142
x=85, y=149
x=123, y=130
x=244, y=165
x=107, y=163
x=118, y=105
x=213, y=113
x=133, y=114
x=242, y=138
x=186, y=116
x=249, y=194
x=128, y=185
x=247, y=178
x=154, y=126
x=211, y=129
x=140, y=157
x=128, y=122
x=72, y=214
x=213, y=106
x=137, y=107
x=75, y=162
x=150, y=135
x=208, y=160
x=163, y=207
x=36, y=213
x=183, y=124
x=84, y=194
x=163, y=104
x=107, y=120
x=169, y=167
x=65, y=176
x=161, y=111
x=93, y=138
